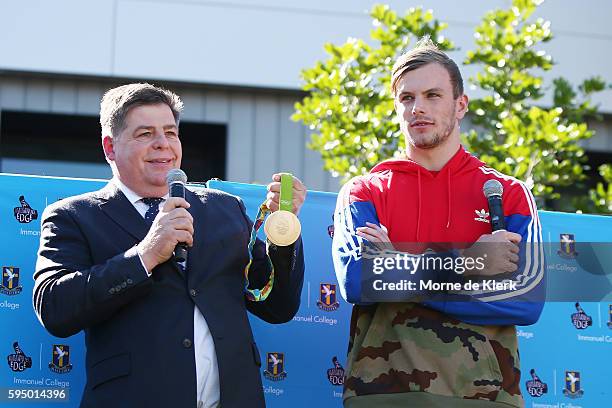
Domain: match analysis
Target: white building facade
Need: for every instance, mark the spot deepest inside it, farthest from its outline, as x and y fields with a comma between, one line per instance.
x=236, y=64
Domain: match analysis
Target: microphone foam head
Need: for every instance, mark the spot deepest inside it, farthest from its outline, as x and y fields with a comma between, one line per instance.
x=176, y=176
x=492, y=187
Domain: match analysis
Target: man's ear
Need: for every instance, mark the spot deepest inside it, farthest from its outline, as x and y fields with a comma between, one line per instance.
x=109, y=147
x=462, y=106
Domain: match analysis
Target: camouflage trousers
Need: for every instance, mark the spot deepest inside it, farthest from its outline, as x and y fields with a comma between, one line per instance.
x=417, y=400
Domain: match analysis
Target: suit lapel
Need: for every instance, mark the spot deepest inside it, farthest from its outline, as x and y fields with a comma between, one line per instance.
x=118, y=208
x=196, y=254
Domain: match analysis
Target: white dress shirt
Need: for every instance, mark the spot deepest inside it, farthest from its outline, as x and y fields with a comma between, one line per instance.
x=207, y=372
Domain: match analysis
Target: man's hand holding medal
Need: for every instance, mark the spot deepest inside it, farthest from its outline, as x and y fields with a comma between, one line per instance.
x=285, y=197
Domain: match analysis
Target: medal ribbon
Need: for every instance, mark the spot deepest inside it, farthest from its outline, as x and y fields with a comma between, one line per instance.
x=286, y=192
x=286, y=203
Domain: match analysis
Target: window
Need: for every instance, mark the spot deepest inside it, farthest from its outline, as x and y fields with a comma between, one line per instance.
x=70, y=146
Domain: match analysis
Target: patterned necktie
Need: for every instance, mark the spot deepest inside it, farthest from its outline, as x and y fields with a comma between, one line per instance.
x=153, y=203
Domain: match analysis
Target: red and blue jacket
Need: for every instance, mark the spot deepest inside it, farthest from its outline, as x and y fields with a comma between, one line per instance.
x=421, y=206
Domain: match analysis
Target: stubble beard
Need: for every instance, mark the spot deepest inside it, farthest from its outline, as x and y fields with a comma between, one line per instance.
x=425, y=141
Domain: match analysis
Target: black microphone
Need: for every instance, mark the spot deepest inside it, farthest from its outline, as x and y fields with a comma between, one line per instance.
x=493, y=190
x=176, y=180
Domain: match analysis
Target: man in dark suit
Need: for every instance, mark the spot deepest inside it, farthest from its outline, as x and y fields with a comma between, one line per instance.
x=159, y=333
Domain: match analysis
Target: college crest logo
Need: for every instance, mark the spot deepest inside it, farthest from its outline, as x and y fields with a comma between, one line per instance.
x=25, y=214
x=580, y=319
x=335, y=375
x=19, y=361
x=10, y=281
x=275, y=367
x=535, y=386
x=482, y=216
x=61, y=359
x=327, y=298
x=610, y=316
x=567, y=245
x=572, y=384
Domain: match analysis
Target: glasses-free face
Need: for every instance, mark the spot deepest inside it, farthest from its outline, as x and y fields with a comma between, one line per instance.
x=146, y=149
x=425, y=105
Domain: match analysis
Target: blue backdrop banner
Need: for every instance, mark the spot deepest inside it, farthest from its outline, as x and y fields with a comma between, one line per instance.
x=565, y=357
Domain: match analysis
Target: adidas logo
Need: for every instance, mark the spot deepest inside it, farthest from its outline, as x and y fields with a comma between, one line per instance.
x=482, y=216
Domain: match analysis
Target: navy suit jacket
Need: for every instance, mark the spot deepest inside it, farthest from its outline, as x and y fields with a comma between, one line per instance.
x=139, y=329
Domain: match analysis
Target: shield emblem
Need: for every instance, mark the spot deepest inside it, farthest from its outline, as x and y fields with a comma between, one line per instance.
x=328, y=293
x=610, y=316
x=10, y=277
x=276, y=363
x=567, y=245
x=327, y=297
x=572, y=384
x=275, y=366
x=61, y=355
x=61, y=359
x=10, y=281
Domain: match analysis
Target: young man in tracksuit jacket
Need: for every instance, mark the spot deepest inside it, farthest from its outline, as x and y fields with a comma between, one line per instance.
x=433, y=353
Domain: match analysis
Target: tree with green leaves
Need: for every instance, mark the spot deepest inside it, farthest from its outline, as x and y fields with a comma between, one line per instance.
x=601, y=196
x=349, y=105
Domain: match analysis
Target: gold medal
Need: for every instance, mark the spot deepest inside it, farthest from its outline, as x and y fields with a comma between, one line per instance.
x=282, y=228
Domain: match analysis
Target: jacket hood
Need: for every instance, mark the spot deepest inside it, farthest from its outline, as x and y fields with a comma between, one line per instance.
x=461, y=162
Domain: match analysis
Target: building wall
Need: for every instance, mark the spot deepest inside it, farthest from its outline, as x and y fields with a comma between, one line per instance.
x=261, y=137
x=238, y=63
x=255, y=43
